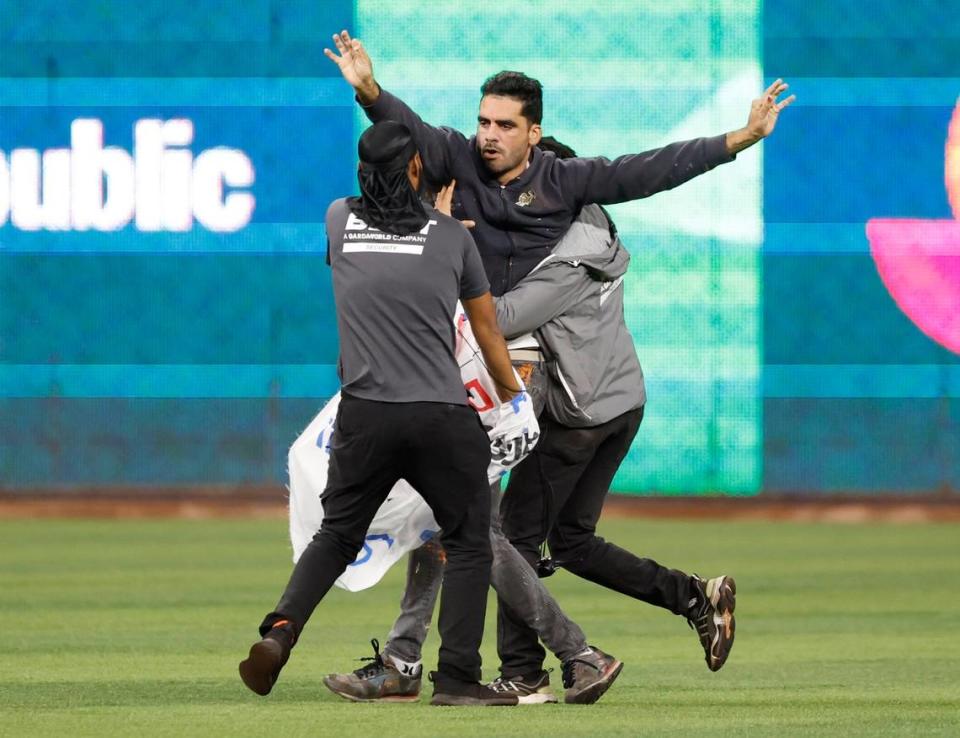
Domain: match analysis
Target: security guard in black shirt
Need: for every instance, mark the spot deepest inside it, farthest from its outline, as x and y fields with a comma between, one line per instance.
x=399, y=268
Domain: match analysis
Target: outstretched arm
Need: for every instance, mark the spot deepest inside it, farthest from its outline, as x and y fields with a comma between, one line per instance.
x=436, y=145
x=636, y=176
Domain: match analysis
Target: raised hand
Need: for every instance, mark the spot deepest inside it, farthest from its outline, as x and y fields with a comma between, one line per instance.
x=355, y=66
x=444, y=202
x=765, y=110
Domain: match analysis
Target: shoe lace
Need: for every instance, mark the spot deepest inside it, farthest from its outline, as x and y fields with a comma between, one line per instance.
x=699, y=616
x=520, y=684
x=373, y=669
x=568, y=671
x=504, y=685
x=701, y=625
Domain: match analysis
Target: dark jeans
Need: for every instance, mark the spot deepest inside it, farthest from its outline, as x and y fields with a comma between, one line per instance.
x=557, y=494
x=443, y=451
x=513, y=579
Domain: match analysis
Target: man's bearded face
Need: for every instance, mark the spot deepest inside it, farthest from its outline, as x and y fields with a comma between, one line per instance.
x=504, y=135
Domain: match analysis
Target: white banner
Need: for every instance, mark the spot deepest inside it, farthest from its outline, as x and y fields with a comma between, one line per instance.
x=404, y=521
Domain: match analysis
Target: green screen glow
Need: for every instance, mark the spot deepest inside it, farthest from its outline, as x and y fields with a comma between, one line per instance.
x=623, y=77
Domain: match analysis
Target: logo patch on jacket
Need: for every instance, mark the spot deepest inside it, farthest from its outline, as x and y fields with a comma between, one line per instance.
x=526, y=198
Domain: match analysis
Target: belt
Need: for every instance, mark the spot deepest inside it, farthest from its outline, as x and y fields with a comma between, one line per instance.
x=526, y=354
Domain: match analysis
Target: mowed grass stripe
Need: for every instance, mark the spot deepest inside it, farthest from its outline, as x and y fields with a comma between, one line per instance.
x=136, y=627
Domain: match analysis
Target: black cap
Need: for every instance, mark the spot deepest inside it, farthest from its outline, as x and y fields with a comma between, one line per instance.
x=386, y=146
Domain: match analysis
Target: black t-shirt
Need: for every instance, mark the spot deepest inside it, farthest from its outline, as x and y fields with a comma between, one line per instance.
x=395, y=298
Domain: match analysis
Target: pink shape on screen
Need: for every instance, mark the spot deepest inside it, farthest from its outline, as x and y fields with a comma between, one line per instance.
x=919, y=262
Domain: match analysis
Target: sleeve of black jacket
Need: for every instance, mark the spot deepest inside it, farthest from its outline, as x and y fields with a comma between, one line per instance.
x=635, y=176
x=436, y=144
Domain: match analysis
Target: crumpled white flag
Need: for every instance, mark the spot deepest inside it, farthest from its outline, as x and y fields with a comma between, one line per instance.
x=404, y=521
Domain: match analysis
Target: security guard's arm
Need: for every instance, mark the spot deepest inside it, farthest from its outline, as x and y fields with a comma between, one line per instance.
x=540, y=297
x=483, y=320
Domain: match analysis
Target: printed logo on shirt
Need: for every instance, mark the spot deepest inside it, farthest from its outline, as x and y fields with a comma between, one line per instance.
x=358, y=237
x=526, y=198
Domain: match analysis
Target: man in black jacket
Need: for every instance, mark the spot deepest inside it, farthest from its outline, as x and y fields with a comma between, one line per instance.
x=523, y=201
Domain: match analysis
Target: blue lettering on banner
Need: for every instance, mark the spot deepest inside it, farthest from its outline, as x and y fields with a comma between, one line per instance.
x=515, y=402
x=320, y=443
x=367, y=553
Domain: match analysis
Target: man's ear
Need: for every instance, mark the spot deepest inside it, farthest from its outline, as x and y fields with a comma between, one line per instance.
x=536, y=133
x=415, y=169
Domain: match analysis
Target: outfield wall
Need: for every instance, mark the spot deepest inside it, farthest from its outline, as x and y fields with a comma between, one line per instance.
x=175, y=327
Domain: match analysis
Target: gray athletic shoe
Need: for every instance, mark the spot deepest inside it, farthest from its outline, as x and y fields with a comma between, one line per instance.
x=378, y=681
x=530, y=690
x=711, y=615
x=588, y=675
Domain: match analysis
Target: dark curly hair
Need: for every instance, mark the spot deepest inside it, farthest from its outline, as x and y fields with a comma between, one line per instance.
x=549, y=143
x=520, y=87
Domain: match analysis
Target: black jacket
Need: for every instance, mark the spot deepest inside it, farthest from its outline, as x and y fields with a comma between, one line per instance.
x=518, y=224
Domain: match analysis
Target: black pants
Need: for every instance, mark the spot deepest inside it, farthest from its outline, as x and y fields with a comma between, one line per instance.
x=443, y=451
x=557, y=494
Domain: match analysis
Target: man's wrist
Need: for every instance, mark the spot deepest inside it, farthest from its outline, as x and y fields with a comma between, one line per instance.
x=741, y=139
x=368, y=93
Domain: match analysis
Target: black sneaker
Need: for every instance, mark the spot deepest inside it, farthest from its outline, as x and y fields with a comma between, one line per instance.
x=530, y=690
x=453, y=692
x=588, y=675
x=267, y=656
x=378, y=681
x=711, y=615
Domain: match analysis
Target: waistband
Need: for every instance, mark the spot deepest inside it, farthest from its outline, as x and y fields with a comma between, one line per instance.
x=534, y=355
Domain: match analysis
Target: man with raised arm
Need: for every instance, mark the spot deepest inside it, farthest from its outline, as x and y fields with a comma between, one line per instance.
x=521, y=201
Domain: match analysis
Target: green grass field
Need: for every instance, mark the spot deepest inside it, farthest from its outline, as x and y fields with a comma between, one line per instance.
x=136, y=628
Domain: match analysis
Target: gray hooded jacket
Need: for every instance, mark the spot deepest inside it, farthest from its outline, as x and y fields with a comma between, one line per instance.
x=573, y=303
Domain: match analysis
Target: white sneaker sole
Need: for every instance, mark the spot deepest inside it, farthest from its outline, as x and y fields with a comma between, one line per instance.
x=537, y=698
